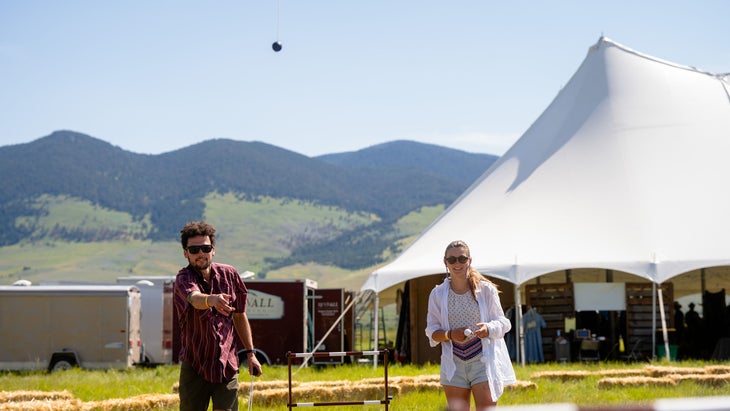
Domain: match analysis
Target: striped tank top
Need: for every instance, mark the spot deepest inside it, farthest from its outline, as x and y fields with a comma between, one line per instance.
x=464, y=312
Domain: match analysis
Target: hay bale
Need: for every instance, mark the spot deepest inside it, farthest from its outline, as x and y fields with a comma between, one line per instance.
x=575, y=375
x=714, y=380
x=270, y=398
x=321, y=392
x=243, y=388
x=521, y=385
x=43, y=405
x=137, y=403
x=363, y=392
x=659, y=371
x=329, y=383
x=416, y=379
x=717, y=369
x=19, y=396
x=406, y=387
x=562, y=375
x=635, y=381
x=381, y=381
x=621, y=373
x=280, y=396
x=428, y=378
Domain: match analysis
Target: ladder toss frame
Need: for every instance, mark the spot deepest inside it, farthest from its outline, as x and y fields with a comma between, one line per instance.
x=385, y=401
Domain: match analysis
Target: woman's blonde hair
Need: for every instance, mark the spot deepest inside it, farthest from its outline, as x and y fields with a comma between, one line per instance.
x=473, y=276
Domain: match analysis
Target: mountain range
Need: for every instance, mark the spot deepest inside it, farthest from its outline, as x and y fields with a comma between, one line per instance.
x=162, y=192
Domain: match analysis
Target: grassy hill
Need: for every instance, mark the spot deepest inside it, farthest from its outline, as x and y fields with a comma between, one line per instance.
x=77, y=208
x=249, y=232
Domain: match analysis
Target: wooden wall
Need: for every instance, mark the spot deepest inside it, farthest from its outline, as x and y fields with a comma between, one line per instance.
x=420, y=289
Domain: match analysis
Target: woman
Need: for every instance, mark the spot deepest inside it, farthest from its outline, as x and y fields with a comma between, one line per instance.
x=466, y=317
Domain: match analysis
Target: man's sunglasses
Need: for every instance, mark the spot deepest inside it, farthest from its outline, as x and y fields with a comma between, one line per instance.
x=195, y=249
x=461, y=259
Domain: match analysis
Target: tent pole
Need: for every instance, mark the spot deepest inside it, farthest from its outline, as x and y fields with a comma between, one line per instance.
x=375, y=332
x=653, y=320
x=664, y=323
x=520, y=352
x=702, y=282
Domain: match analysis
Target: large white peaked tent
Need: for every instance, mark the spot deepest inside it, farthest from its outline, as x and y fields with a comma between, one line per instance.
x=627, y=169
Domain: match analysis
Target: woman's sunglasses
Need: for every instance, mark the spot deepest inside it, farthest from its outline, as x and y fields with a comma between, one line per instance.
x=461, y=259
x=195, y=249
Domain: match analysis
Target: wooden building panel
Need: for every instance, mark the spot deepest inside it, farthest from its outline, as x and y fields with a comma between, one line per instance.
x=639, y=315
x=554, y=302
x=419, y=291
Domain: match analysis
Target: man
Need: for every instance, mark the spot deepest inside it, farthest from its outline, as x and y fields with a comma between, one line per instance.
x=210, y=301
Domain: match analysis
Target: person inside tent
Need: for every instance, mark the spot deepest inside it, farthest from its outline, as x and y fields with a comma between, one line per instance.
x=532, y=324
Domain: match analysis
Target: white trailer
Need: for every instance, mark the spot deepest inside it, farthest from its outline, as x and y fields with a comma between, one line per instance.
x=62, y=326
x=157, y=316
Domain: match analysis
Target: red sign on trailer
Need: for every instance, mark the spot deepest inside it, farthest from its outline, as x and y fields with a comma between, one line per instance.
x=328, y=306
x=278, y=313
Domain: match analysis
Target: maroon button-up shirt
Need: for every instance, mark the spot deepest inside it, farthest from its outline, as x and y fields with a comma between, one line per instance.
x=208, y=340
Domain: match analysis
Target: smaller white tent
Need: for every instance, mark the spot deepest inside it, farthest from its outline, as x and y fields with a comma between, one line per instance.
x=626, y=170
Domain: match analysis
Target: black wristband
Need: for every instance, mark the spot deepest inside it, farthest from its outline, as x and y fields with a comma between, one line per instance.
x=252, y=350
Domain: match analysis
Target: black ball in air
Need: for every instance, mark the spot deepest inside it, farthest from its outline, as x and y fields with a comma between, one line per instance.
x=276, y=46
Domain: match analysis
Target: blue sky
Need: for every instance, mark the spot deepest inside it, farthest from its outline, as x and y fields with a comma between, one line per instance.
x=157, y=75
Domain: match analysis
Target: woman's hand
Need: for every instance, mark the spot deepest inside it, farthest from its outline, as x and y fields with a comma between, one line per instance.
x=481, y=331
x=460, y=334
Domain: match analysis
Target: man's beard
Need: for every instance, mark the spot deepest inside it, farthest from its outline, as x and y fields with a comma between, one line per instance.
x=201, y=264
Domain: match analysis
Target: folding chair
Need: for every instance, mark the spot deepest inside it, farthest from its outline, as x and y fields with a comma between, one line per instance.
x=634, y=354
x=589, y=350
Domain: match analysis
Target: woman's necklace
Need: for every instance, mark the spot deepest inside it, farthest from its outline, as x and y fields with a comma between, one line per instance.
x=459, y=290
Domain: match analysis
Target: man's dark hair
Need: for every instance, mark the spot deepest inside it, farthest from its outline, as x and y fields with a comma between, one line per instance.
x=194, y=229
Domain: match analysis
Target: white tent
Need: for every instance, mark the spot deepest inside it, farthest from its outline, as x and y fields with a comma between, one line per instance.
x=626, y=170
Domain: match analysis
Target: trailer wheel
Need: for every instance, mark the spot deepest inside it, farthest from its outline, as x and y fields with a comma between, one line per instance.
x=62, y=361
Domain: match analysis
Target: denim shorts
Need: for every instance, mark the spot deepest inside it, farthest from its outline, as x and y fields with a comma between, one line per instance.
x=467, y=373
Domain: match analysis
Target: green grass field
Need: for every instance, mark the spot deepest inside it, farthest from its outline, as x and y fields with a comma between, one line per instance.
x=103, y=385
